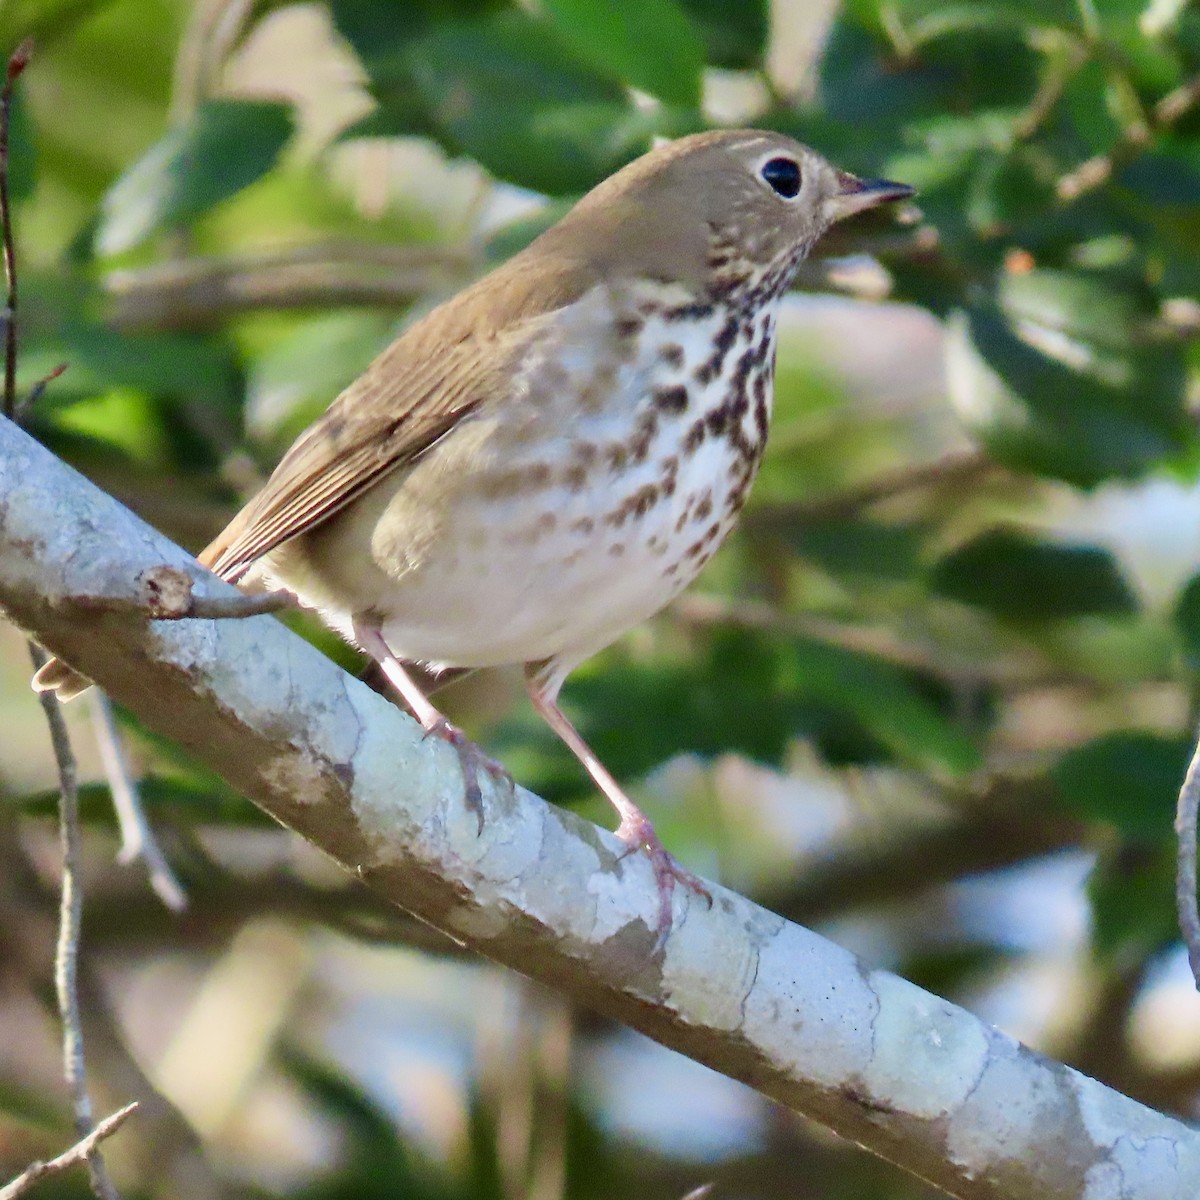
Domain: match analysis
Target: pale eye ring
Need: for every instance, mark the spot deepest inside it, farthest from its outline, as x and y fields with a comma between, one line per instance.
x=782, y=176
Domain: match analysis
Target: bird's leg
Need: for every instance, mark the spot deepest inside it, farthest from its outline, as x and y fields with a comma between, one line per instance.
x=471, y=758
x=635, y=829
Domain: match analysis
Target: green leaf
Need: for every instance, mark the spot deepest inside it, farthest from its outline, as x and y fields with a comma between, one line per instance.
x=1129, y=779
x=292, y=381
x=381, y=32
x=923, y=20
x=1058, y=373
x=1187, y=621
x=888, y=701
x=1016, y=576
x=858, y=546
x=746, y=693
x=511, y=94
x=224, y=147
x=735, y=35
x=22, y=157
x=651, y=46
x=1132, y=897
x=865, y=82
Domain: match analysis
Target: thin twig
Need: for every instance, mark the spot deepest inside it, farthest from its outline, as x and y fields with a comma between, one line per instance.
x=38, y=389
x=1100, y=168
x=71, y=907
x=165, y=593
x=137, y=834
x=1185, y=863
x=70, y=920
x=16, y=64
x=82, y=1151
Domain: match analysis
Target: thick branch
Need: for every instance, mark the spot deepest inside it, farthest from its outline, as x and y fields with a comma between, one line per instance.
x=902, y=1072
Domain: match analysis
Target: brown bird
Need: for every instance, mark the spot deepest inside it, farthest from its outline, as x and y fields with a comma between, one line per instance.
x=549, y=457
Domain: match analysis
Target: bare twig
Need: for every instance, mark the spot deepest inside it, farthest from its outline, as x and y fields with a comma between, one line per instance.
x=36, y=392
x=137, y=835
x=165, y=593
x=83, y=1150
x=16, y=64
x=71, y=905
x=1100, y=168
x=70, y=920
x=1185, y=863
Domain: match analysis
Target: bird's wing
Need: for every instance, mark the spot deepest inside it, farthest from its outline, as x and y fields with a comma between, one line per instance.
x=411, y=396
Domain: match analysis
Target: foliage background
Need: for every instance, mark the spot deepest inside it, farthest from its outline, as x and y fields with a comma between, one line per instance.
x=935, y=698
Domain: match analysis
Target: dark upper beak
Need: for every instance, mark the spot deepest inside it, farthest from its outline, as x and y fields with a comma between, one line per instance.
x=856, y=195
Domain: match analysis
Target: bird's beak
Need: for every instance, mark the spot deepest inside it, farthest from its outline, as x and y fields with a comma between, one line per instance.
x=856, y=195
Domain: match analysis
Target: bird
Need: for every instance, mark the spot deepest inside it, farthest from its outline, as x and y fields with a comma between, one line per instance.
x=549, y=457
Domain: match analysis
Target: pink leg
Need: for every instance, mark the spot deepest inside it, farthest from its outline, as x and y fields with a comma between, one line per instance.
x=471, y=758
x=635, y=829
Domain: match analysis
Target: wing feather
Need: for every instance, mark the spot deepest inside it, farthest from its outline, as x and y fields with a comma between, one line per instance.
x=460, y=358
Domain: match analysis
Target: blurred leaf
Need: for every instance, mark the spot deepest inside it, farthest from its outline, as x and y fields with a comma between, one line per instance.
x=510, y=93
x=735, y=35
x=1088, y=97
x=30, y=1105
x=947, y=971
x=378, y=1164
x=866, y=83
x=858, y=546
x=1187, y=621
x=888, y=702
x=22, y=159
x=1016, y=576
x=1132, y=893
x=1129, y=779
x=381, y=31
x=923, y=20
x=293, y=380
x=225, y=146
x=752, y=694
x=1059, y=375
x=382, y=34
x=209, y=801
x=651, y=46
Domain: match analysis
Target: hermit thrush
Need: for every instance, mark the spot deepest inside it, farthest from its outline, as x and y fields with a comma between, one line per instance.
x=549, y=457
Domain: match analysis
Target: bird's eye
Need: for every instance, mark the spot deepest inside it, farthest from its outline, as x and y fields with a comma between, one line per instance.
x=783, y=176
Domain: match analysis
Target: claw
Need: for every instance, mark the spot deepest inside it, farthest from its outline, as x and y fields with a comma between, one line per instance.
x=472, y=760
x=638, y=833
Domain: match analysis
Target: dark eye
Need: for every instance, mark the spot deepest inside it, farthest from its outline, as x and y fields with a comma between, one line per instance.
x=783, y=174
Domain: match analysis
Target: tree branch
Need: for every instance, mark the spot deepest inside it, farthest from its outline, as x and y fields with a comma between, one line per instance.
x=905, y=1074
x=197, y=292
x=83, y=1151
x=137, y=834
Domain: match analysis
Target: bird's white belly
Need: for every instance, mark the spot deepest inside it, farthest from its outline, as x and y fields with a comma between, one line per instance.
x=560, y=579
x=551, y=543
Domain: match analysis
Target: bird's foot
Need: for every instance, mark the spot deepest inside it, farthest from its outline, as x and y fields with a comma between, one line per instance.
x=472, y=760
x=638, y=833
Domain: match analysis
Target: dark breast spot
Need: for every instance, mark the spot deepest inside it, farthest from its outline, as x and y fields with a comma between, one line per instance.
x=671, y=400
x=723, y=343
